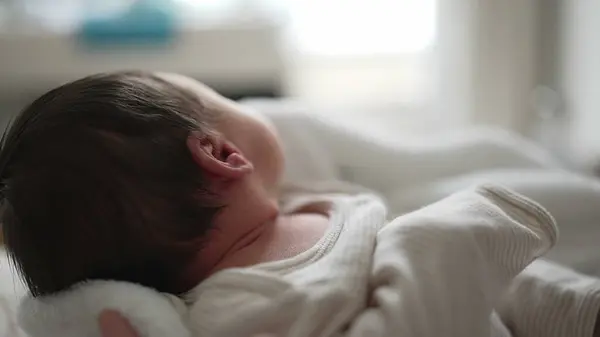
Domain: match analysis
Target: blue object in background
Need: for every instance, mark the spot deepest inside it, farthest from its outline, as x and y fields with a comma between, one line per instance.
x=144, y=22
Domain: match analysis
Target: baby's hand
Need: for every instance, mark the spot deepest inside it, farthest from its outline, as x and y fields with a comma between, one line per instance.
x=112, y=324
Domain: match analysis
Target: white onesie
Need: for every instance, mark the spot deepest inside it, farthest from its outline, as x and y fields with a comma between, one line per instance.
x=439, y=271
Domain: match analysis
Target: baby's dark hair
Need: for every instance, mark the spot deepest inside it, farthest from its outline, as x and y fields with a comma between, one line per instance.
x=97, y=183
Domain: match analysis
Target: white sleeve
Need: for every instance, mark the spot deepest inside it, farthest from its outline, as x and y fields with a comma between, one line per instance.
x=441, y=271
x=548, y=300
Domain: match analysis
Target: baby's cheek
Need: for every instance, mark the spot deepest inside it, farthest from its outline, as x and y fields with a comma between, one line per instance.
x=259, y=117
x=278, y=161
x=270, y=153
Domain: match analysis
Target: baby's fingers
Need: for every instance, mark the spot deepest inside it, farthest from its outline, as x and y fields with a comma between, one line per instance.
x=112, y=324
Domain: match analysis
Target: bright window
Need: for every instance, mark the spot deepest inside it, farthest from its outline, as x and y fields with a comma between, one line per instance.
x=355, y=27
x=344, y=27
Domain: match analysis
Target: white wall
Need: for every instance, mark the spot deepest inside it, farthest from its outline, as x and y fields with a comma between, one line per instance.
x=488, y=55
x=580, y=75
x=226, y=56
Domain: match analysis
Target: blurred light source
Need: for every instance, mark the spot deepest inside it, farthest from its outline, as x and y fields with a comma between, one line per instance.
x=210, y=6
x=345, y=27
x=354, y=27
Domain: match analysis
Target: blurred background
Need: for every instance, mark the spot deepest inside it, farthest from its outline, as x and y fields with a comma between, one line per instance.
x=395, y=66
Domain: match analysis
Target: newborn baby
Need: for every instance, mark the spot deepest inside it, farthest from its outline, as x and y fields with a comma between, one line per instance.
x=148, y=178
x=157, y=180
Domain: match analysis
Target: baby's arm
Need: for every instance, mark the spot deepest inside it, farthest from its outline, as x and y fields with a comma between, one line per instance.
x=548, y=300
x=441, y=271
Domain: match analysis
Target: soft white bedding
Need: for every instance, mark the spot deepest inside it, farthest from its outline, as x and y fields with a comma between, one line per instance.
x=410, y=175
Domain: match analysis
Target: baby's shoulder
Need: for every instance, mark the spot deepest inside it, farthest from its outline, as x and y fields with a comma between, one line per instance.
x=224, y=299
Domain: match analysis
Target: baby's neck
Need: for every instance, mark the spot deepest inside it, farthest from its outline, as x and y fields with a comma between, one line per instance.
x=284, y=237
x=277, y=238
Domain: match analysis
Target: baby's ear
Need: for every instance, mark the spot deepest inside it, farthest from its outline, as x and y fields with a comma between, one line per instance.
x=218, y=156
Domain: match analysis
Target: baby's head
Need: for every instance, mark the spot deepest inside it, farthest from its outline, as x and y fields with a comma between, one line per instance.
x=147, y=178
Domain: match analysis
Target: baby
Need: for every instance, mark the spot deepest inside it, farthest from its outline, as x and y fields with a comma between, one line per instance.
x=153, y=179
x=148, y=178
